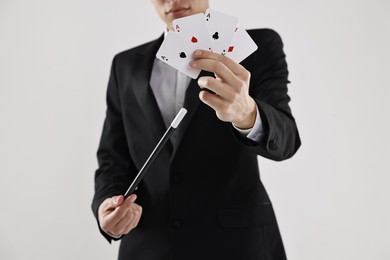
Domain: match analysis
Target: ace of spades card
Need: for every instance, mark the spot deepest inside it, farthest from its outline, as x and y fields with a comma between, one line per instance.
x=190, y=34
x=177, y=53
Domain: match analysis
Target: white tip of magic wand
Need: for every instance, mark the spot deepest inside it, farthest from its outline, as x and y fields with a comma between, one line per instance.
x=179, y=117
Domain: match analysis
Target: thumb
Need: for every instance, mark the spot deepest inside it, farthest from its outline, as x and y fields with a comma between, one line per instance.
x=132, y=198
x=116, y=201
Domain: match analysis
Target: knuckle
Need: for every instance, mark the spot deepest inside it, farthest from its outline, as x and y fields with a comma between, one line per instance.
x=135, y=208
x=129, y=228
x=116, y=231
x=225, y=107
x=214, y=66
x=222, y=58
x=246, y=74
x=241, y=84
x=243, y=87
x=235, y=97
x=127, y=231
x=134, y=224
x=104, y=225
x=230, y=108
x=135, y=213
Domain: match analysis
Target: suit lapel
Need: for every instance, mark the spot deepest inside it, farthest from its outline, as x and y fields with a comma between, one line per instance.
x=143, y=91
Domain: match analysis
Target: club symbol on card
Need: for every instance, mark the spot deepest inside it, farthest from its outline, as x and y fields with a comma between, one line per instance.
x=208, y=17
x=194, y=39
x=164, y=58
x=231, y=48
x=216, y=36
x=182, y=55
x=177, y=28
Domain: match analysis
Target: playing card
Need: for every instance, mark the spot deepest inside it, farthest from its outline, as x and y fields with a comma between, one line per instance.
x=241, y=46
x=177, y=53
x=193, y=29
x=221, y=28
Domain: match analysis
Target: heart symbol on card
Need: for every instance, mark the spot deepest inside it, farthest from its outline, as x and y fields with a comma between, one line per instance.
x=194, y=39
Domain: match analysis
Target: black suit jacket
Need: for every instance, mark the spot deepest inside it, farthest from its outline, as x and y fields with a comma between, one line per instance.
x=202, y=197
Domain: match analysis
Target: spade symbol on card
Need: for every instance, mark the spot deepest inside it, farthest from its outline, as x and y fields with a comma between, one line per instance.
x=182, y=55
x=194, y=39
x=216, y=36
x=177, y=28
x=208, y=17
x=164, y=58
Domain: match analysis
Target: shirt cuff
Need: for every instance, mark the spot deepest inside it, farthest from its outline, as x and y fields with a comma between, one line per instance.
x=256, y=132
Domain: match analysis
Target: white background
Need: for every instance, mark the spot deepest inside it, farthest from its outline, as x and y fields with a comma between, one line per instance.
x=331, y=199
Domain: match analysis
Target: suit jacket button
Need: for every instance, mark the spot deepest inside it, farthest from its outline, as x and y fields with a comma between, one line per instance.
x=272, y=145
x=176, y=224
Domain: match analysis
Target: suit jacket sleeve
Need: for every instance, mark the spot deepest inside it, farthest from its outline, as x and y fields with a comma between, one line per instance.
x=268, y=87
x=115, y=162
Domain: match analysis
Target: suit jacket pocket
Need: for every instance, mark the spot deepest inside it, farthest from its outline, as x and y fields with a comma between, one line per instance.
x=246, y=216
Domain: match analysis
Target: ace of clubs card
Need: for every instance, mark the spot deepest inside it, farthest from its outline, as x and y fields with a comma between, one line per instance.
x=221, y=28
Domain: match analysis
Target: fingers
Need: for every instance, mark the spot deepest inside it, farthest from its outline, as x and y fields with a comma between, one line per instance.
x=217, y=67
x=220, y=94
x=232, y=78
x=118, y=216
x=234, y=67
x=128, y=222
x=116, y=201
x=215, y=85
x=131, y=220
x=231, y=101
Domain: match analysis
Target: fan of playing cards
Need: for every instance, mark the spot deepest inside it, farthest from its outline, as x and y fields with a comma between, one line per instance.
x=213, y=31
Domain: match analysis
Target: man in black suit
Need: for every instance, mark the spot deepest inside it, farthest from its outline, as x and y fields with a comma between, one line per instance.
x=202, y=197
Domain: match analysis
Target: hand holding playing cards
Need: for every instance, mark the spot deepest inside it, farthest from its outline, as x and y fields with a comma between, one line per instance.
x=231, y=100
x=118, y=216
x=222, y=44
x=215, y=31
